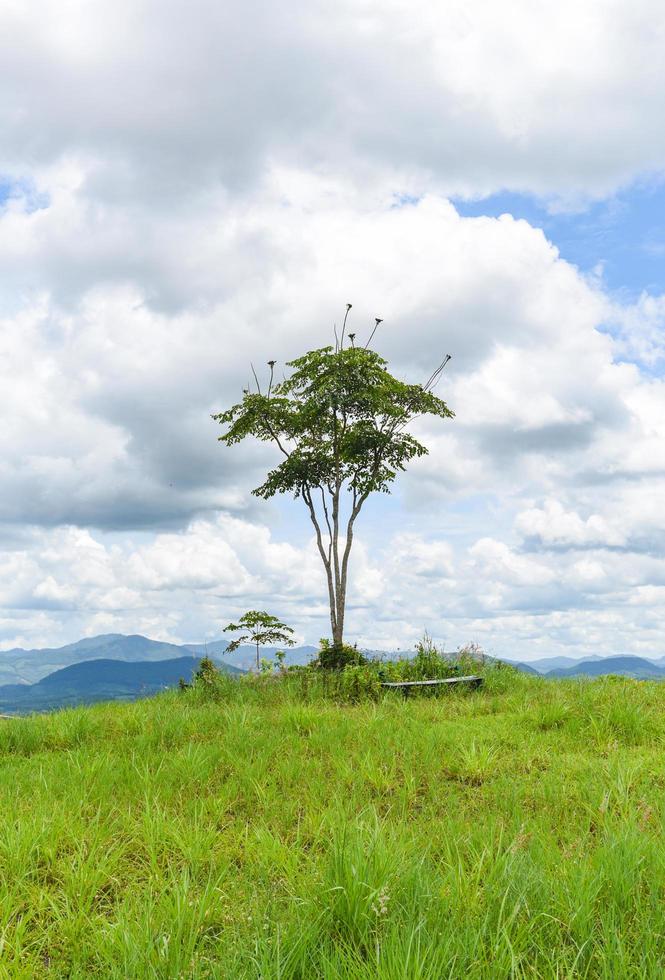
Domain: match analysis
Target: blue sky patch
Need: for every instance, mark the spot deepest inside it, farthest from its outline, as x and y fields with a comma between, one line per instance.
x=625, y=233
x=33, y=199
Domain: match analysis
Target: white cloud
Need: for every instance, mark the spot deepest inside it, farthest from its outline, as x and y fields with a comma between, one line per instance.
x=469, y=97
x=641, y=330
x=109, y=399
x=553, y=526
x=108, y=402
x=192, y=189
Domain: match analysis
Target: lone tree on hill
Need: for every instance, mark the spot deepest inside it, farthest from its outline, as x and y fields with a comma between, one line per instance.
x=260, y=628
x=339, y=423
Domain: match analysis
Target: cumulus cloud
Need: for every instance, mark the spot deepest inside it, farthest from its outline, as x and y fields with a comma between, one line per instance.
x=189, y=190
x=553, y=526
x=186, y=585
x=71, y=573
x=167, y=99
x=640, y=331
x=109, y=399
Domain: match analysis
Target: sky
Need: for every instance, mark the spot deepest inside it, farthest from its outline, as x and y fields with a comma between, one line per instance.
x=185, y=188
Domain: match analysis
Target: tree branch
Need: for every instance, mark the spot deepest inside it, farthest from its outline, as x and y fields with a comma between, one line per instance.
x=325, y=511
x=258, y=386
x=348, y=307
x=276, y=438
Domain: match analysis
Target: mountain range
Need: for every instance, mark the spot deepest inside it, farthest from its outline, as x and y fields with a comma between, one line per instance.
x=595, y=666
x=19, y=666
x=99, y=680
x=553, y=663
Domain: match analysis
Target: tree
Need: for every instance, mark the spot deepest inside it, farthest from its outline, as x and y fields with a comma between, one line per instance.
x=339, y=423
x=260, y=628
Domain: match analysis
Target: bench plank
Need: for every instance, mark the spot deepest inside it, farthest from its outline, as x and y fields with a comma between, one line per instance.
x=474, y=679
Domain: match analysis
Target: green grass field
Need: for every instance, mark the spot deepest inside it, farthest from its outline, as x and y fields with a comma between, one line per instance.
x=512, y=832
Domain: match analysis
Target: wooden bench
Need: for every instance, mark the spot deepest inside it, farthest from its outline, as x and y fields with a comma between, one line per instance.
x=473, y=680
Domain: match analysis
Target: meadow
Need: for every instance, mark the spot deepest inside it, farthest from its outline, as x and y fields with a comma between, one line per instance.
x=266, y=830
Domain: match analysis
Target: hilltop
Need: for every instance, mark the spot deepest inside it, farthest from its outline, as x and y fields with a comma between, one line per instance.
x=19, y=666
x=117, y=667
x=257, y=829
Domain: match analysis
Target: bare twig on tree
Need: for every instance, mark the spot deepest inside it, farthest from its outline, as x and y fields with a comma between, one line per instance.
x=377, y=321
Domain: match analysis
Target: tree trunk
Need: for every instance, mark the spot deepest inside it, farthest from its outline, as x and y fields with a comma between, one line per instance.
x=336, y=569
x=338, y=633
x=340, y=602
x=326, y=559
x=338, y=629
x=258, y=668
x=341, y=590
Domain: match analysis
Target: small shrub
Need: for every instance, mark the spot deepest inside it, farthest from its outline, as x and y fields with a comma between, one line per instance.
x=207, y=673
x=429, y=663
x=361, y=682
x=331, y=657
x=209, y=683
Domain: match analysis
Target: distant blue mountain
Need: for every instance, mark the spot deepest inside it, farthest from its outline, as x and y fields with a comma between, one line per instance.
x=99, y=680
x=525, y=668
x=593, y=666
x=627, y=666
x=20, y=666
x=27, y=666
x=553, y=663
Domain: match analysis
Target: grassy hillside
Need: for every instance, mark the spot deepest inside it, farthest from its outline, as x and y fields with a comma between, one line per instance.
x=512, y=832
